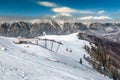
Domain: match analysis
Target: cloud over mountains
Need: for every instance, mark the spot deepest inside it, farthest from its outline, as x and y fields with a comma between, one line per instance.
x=68, y=11
x=95, y=18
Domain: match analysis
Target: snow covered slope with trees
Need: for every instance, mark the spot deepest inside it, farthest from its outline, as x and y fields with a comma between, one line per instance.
x=35, y=62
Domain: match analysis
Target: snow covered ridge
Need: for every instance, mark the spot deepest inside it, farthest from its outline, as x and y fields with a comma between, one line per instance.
x=37, y=27
x=34, y=62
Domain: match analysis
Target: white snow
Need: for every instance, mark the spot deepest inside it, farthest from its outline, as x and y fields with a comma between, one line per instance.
x=34, y=62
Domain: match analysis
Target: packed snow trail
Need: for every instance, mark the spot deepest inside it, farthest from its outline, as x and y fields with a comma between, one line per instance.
x=34, y=62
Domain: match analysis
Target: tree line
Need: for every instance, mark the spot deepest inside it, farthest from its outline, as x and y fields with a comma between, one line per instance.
x=102, y=62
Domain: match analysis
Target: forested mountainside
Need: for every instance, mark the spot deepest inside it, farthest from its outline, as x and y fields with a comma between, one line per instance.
x=104, y=55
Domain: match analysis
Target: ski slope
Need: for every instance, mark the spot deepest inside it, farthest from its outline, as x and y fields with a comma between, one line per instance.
x=35, y=62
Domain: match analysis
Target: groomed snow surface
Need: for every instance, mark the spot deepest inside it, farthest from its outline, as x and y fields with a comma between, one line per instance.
x=35, y=62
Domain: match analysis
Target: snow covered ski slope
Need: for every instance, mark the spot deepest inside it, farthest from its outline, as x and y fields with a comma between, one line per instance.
x=35, y=62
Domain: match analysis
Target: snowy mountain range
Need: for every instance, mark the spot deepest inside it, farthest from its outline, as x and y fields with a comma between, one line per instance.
x=34, y=28
x=29, y=61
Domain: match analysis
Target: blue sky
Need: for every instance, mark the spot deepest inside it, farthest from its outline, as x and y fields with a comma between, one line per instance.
x=81, y=8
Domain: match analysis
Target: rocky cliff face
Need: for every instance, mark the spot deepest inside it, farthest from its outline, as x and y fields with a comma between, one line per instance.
x=27, y=29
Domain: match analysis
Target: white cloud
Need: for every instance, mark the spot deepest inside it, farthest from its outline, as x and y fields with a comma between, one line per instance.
x=102, y=17
x=101, y=11
x=70, y=10
x=64, y=10
x=62, y=14
x=65, y=14
x=86, y=12
x=47, y=4
x=95, y=18
x=67, y=11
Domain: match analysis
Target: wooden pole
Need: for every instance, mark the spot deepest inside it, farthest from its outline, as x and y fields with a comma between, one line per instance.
x=58, y=48
x=52, y=45
x=45, y=43
x=37, y=42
